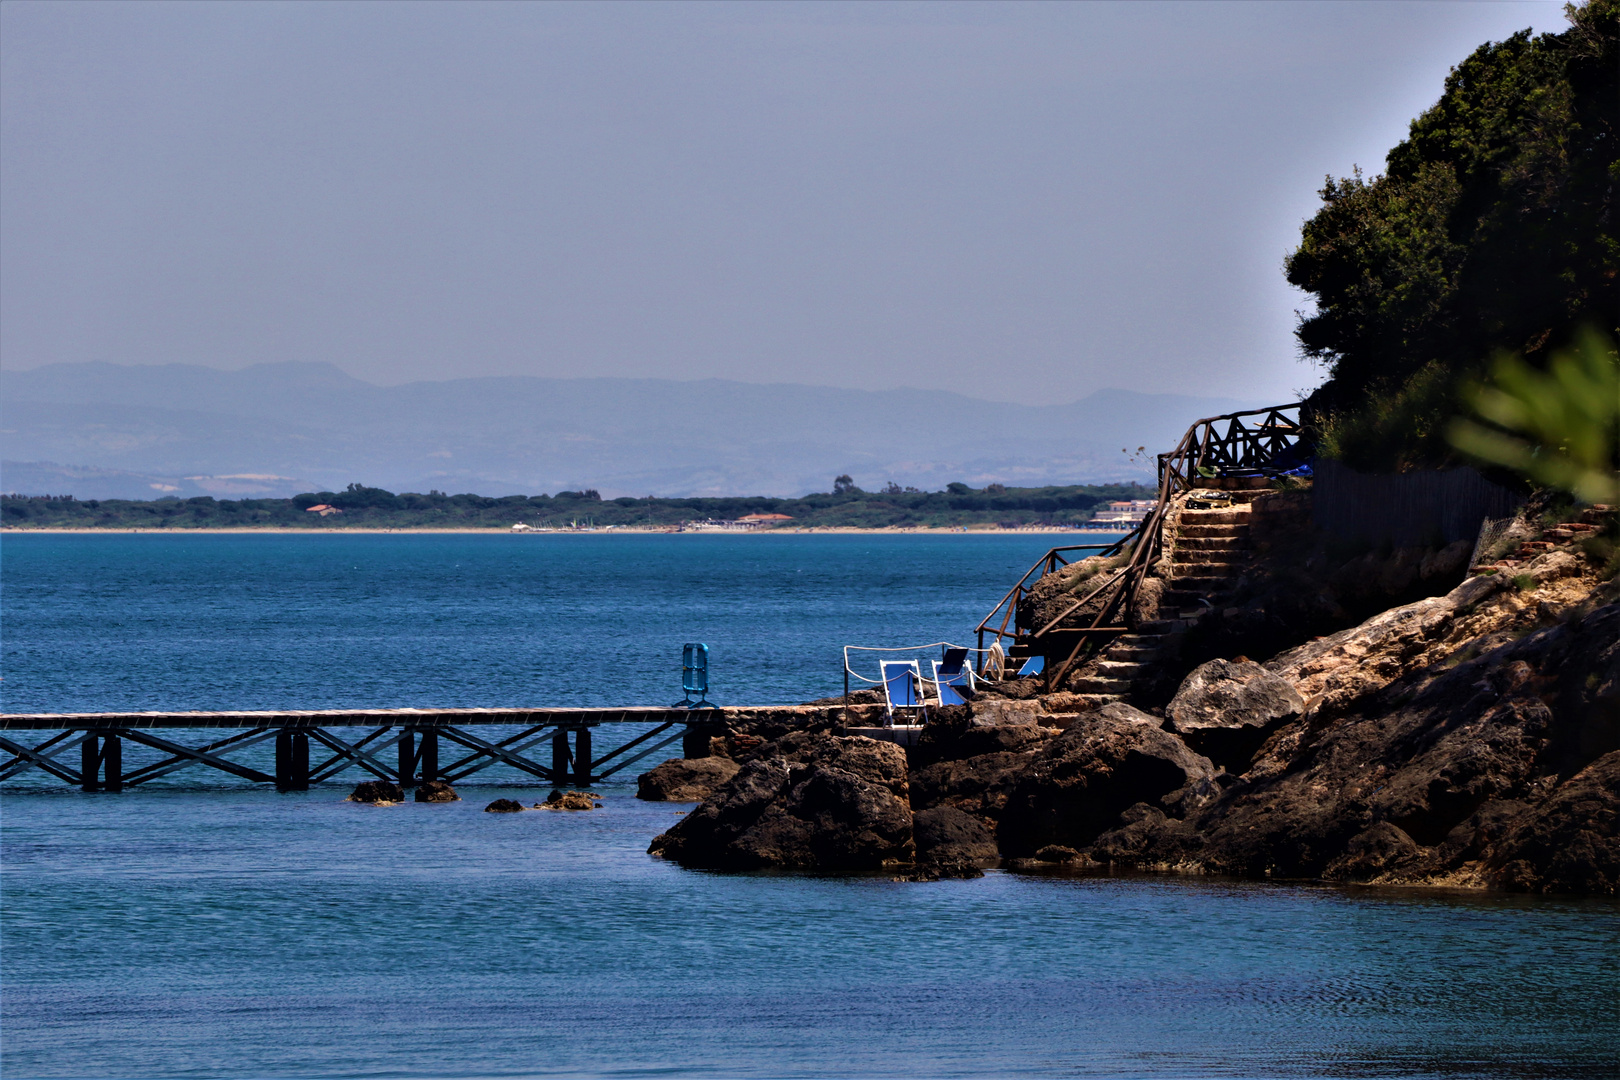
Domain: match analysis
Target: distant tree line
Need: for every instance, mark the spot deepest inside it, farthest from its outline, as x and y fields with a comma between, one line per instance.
x=370, y=507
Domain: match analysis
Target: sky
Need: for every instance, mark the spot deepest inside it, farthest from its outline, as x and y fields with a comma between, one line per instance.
x=1020, y=202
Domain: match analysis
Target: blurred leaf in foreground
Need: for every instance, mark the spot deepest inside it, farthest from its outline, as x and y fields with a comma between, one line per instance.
x=1559, y=427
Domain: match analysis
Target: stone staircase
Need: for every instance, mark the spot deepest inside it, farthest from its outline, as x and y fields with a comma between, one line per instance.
x=1205, y=552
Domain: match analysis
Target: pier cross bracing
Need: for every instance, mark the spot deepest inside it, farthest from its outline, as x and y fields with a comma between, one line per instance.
x=406, y=746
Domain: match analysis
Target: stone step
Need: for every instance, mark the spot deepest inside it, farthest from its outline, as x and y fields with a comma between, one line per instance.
x=1211, y=543
x=1231, y=515
x=1207, y=558
x=1198, y=583
x=1093, y=684
x=1138, y=653
x=1119, y=669
x=1199, y=531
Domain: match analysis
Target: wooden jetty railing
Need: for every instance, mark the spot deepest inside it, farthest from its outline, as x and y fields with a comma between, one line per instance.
x=1234, y=444
x=415, y=737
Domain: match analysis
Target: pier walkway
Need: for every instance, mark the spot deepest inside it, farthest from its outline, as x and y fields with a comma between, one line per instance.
x=406, y=746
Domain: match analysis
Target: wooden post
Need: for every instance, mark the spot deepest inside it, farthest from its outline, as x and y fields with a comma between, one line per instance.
x=407, y=760
x=298, y=774
x=582, y=757
x=283, y=760
x=89, y=763
x=695, y=743
x=430, y=756
x=112, y=763
x=559, y=757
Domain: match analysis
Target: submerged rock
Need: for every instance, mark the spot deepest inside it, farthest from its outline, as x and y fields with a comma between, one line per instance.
x=1225, y=709
x=377, y=792
x=436, y=791
x=685, y=779
x=504, y=806
x=809, y=801
x=570, y=800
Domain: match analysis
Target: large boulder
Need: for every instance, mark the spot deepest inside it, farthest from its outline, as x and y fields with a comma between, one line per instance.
x=1226, y=708
x=809, y=801
x=685, y=779
x=945, y=834
x=1076, y=786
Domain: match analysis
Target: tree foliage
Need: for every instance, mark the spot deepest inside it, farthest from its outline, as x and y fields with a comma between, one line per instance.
x=1491, y=230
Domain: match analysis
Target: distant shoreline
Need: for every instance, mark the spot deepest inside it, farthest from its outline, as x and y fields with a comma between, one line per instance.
x=627, y=530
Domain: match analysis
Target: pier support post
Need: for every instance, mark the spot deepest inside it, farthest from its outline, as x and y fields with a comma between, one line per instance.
x=89, y=763
x=407, y=760
x=582, y=757
x=695, y=743
x=112, y=763
x=292, y=761
x=430, y=756
x=559, y=757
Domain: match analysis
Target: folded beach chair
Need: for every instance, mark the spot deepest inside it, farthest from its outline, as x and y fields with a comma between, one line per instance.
x=951, y=675
x=902, y=686
x=1032, y=665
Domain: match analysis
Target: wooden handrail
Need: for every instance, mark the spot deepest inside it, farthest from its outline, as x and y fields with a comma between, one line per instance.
x=1240, y=450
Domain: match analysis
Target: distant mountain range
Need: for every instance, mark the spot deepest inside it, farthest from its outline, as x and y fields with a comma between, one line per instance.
x=276, y=429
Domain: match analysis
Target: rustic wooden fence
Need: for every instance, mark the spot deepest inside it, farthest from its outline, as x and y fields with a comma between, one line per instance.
x=1406, y=509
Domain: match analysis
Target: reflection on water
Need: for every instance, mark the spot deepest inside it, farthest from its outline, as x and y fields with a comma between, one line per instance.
x=195, y=933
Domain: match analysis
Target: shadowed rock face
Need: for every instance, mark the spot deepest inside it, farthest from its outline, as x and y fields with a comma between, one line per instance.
x=945, y=834
x=1225, y=710
x=1076, y=786
x=807, y=802
x=1501, y=770
x=685, y=780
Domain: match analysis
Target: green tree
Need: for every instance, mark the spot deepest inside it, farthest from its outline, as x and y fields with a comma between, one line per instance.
x=1491, y=230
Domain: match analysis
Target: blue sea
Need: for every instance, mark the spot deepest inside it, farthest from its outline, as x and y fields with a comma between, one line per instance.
x=203, y=927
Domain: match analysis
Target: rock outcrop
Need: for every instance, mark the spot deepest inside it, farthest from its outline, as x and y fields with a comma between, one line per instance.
x=436, y=791
x=685, y=779
x=1463, y=740
x=1225, y=709
x=809, y=801
x=377, y=792
x=570, y=800
x=505, y=806
x=1077, y=784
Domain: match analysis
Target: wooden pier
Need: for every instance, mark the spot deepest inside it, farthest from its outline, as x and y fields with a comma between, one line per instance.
x=406, y=746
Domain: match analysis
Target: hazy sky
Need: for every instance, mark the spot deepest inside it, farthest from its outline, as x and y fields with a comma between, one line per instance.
x=1022, y=202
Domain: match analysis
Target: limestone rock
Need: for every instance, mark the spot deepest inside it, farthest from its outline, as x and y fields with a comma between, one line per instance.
x=1079, y=782
x=504, y=806
x=378, y=792
x=816, y=802
x=1225, y=709
x=436, y=791
x=685, y=780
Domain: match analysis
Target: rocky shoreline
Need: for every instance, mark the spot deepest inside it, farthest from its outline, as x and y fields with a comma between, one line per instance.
x=1466, y=740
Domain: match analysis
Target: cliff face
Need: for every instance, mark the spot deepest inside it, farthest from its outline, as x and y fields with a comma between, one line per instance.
x=1466, y=740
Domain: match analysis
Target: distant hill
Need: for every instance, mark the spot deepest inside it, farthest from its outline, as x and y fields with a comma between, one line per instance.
x=324, y=428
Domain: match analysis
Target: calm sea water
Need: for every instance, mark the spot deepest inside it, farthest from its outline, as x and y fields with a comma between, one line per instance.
x=204, y=928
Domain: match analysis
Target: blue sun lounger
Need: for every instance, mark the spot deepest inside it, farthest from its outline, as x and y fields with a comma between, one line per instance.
x=951, y=676
x=902, y=686
x=1032, y=665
